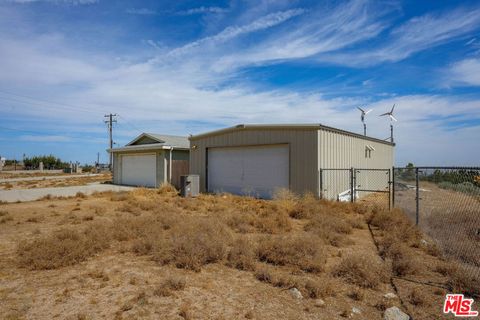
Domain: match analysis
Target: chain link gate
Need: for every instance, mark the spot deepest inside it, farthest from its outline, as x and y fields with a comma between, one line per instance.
x=353, y=184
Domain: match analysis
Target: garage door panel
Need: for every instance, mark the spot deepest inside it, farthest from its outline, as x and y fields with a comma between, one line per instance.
x=139, y=170
x=257, y=171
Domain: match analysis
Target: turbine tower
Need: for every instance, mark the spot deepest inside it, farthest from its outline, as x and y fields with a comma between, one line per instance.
x=392, y=118
x=362, y=117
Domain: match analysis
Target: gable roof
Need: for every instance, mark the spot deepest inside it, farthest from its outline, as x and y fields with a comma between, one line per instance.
x=161, y=139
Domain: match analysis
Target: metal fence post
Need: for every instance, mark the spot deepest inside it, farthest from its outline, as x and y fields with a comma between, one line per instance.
x=417, y=197
x=352, y=185
x=321, y=184
x=393, y=187
x=389, y=189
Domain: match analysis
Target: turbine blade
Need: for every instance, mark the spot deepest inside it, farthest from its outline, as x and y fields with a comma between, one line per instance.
x=393, y=108
x=363, y=111
x=368, y=111
x=393, y=118
x=384, y=114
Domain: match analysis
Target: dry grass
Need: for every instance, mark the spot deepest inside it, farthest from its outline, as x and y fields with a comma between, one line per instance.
x=168, y=285
x=62, y=248
x=130, y=244
x=242, y=255
x=193, y=244
x=304, y=251
x=364, y=271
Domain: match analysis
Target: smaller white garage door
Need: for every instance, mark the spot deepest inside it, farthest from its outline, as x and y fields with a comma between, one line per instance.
x=139, y=170
x=256, y=171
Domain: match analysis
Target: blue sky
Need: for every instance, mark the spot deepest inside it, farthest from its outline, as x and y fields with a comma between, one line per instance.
x=186, y=67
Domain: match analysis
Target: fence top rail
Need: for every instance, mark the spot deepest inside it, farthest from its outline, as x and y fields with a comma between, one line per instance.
x=439, y=168
x=345, y=169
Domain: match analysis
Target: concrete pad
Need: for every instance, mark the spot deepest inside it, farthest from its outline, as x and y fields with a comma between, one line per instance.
x=39, y=178
x=23, y=195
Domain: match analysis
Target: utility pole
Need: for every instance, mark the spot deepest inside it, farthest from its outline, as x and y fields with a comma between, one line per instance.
x=110, y=120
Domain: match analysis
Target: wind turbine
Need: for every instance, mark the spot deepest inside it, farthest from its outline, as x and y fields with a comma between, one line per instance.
x=362, y=117
x=392, y=118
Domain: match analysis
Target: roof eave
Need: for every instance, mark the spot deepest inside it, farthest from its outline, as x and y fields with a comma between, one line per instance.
x=145, y=147
x=141, y=136
x=287, y=126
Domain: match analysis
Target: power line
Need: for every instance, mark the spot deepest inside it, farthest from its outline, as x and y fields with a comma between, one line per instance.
x=39, y=101
x=130, y=124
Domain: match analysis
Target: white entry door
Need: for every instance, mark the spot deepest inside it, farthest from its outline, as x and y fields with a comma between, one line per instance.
x=139, y=170
x=256, y=171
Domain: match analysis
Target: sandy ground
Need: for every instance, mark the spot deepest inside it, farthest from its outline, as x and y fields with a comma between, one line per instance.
x=52, y=181
x=117, y=284
x=22, y=195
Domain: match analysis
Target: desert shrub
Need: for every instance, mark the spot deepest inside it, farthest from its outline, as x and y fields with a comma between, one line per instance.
x=332, y=228
x=80, y=195
x=268, y=274
x=194, y=243
x=240, y=222
x=242, y=255
x=264, y=274
x=303, y=251
x=416, y=297
x=318, y=288
x=397, y=227
x=117, y=196
x=167, y=188
x=273, y=221
x=403, y=260
x=63, y=247
x=464, y=280
x=363, y=270
x=168, y=285
x=464, y=187
x=5, y=217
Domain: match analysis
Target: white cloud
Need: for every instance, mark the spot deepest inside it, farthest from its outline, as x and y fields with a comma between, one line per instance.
x=141, y=11
x=203, y=9
x=231, y=32
x=465, y=72
x=74, y=2
x=318, y=31
x=415, y=35
x=44, y=138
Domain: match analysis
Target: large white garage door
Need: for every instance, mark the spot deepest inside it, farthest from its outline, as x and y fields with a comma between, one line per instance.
x=139, y=170
x=256, y=171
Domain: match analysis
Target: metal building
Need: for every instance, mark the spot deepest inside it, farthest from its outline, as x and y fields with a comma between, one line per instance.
x=150, y=160
x=259, y=159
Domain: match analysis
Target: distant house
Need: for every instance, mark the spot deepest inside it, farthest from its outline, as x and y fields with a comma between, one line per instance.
x=150, y=160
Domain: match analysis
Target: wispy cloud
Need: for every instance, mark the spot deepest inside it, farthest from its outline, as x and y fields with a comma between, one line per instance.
x=231, y=32
x=44, y=138
x=141, y=11
x=417, y=34
x=203, y=9
x=464, y=73
x=74, y=2
x=319, y=31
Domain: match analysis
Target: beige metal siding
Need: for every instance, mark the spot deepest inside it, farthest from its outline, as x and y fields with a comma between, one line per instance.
x=344, y=151
x=303, y=153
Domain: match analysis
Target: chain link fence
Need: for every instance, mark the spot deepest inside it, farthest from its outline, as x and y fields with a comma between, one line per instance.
x=445, y=203
x=354, y=184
